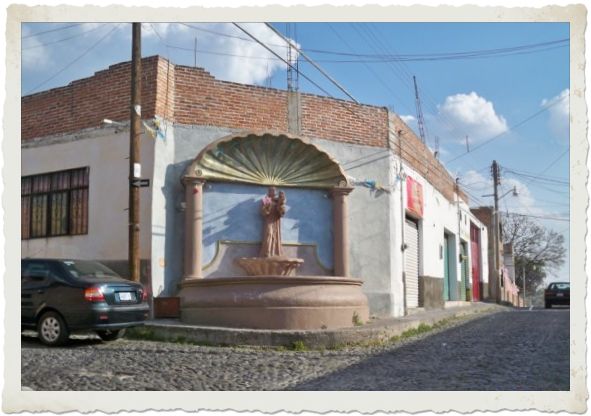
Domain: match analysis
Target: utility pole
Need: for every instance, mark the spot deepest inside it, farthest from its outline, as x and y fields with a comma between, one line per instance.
x=496, y=224
x=134, y=154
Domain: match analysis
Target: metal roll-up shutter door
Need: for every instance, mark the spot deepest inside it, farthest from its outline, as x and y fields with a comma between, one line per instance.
x=411, y=263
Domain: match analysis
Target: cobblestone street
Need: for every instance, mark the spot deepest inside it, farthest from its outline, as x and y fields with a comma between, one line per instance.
x=516, y=350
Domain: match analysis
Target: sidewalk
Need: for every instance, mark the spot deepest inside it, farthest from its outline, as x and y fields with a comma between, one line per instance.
x=375, y=330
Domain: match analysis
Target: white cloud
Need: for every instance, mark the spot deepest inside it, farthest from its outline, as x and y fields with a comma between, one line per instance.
x=408, y=118
x=35, y=56
x=252, y=63
x=470, y=114
x=229, y=57
x=559, y=111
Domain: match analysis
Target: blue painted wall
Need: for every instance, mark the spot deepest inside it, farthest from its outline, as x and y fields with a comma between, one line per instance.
x=232, y=212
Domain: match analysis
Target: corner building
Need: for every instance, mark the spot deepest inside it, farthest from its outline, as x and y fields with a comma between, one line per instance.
x=410, y=235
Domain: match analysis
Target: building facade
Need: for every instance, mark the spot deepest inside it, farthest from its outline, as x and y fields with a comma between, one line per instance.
x=412, y=238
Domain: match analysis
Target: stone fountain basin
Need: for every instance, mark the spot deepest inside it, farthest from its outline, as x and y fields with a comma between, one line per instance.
x=269, y=266
x=274, y=302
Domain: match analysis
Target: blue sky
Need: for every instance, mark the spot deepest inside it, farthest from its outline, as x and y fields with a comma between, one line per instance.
x=475, y=79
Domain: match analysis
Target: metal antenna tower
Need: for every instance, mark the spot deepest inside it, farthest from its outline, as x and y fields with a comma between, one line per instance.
x=293, y=80
x=420, y=119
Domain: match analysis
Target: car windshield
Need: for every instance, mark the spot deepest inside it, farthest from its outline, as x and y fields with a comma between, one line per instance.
x=88, y=269
x=562, y=286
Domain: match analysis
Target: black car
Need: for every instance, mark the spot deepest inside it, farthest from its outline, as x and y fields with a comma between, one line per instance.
x=557, y=293
x=63, y=296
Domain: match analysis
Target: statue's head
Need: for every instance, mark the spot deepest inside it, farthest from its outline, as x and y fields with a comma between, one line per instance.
x=271, y=192
x=281, y=196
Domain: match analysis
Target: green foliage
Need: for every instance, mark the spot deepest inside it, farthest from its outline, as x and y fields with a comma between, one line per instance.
x=299, y=346
x=356, y=319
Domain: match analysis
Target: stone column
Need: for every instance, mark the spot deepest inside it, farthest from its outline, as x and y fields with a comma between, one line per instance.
x=193, y=227
x=340, y=230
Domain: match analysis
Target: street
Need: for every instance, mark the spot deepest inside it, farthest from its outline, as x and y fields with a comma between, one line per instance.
x=515, y=350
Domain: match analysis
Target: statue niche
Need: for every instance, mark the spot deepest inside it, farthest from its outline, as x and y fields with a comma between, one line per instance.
x=271, y=260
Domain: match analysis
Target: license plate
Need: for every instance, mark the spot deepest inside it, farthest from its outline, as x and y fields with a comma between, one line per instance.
x=126, y=296
x=560, y=294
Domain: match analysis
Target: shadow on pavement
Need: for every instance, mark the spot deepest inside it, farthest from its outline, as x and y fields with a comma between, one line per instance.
x=31, y=341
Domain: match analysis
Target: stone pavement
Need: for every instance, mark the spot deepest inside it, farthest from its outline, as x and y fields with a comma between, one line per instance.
x=511, y=350
x=376, y=330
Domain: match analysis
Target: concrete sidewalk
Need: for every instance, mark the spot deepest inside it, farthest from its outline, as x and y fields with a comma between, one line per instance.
x=376, y=330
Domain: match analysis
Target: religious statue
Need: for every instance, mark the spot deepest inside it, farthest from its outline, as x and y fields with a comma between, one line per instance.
x=272, y=209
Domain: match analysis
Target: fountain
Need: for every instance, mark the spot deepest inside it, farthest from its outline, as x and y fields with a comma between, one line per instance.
x=270, y=294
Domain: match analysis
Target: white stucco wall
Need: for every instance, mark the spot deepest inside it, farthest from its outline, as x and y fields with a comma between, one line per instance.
x=439, y=216
x=106, y=152
x=375, y=218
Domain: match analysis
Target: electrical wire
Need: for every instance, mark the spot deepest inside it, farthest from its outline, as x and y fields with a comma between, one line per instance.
x=540, y=217
x=64, y=39
x=315, y=65
x=68, y=65
x=285, y=61
x=400, y=57
x=510, y=128
x=50, y=31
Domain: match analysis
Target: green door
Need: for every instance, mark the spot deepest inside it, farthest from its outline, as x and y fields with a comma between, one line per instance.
x=445, y=267
x=463, y=252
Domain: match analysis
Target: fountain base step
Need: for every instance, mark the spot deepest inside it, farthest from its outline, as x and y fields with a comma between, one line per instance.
x=274, y=302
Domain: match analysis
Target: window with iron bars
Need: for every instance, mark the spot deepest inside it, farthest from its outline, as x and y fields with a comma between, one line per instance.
x=54, y=204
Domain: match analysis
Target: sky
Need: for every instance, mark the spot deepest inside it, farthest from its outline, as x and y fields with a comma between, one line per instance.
x=499, y=90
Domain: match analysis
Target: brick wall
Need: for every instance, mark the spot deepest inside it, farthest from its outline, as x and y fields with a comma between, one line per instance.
x=190, y=95
x=86, y=102
x=328, y=118
x=414, y=152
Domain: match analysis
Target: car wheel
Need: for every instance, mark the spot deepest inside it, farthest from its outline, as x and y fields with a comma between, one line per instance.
x=111, y=335
x=52, y=329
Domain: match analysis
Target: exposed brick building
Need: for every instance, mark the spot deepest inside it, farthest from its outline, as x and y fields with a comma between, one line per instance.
x=399, y=182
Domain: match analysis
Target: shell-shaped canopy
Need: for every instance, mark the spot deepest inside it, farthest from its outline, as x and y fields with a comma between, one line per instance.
x=267, y=159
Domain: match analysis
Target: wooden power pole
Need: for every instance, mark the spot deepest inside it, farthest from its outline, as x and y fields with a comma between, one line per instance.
x=496, y=222
x=134, y=153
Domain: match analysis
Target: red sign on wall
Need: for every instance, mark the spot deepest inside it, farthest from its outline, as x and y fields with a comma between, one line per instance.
x=414, y=196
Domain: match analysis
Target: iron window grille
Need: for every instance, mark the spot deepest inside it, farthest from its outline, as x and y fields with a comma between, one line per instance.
x=54, y=204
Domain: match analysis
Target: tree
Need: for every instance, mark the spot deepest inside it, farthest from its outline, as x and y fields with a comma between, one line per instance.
x=537, y=250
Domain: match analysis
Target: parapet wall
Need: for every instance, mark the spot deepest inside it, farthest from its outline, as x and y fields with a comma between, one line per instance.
x=190, y=95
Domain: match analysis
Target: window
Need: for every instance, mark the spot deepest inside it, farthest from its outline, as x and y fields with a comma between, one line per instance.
x=54, y=204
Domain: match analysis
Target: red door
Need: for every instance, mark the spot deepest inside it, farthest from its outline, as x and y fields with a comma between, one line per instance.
x=475, y=251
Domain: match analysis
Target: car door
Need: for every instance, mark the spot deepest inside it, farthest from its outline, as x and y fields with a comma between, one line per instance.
x=35, y=280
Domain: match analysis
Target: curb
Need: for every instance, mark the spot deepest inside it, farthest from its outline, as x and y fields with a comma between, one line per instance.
x=373, y=332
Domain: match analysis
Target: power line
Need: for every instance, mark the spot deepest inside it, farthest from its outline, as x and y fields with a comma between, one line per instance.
x=314, y=64
x=74, y=61
x=385, y=59
x=50, y=31
x=386, y=85
x=289, y=64
x=538, y=178
x=513, y=127
x=540, y=217
x=64, y=39
x=523, y=172
x=444, y=55
x=401, y=57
